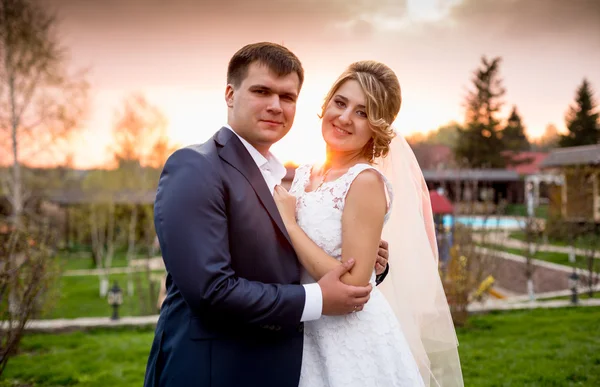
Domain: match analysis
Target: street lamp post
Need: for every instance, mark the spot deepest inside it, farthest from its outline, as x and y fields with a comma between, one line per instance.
x=573, y=280
x=115, y=299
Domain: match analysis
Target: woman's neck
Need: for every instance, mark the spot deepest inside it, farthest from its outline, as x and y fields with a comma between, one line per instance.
x=342, y=160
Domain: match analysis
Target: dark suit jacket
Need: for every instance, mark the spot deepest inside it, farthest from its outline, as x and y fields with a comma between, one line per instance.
x=232, y=312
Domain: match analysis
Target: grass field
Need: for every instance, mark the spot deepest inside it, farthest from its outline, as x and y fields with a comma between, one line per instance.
x=544, y=348
x=520, y=235
x=83, y=260
x=80, y=297
x=521, y=210
x=559, y=258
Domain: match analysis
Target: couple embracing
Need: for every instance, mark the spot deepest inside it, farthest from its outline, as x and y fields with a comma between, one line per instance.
x=272, y=288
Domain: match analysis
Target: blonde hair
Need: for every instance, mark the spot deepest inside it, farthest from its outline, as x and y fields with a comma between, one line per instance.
x=382, y=90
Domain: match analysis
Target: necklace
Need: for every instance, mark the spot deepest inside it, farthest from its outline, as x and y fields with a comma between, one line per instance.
x=323, y=178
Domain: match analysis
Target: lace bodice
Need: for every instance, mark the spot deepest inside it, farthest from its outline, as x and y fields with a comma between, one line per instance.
x=359, y=349
x=319, y=212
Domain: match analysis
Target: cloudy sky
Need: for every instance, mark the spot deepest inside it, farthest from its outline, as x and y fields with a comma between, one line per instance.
x=176, y=53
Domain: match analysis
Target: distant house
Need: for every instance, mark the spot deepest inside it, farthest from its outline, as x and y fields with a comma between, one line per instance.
x=536, y=182
x=527, y=162
x=577, y=198
x=469, y=189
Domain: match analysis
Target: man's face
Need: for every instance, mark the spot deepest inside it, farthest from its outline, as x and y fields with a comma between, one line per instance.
x=262, y=108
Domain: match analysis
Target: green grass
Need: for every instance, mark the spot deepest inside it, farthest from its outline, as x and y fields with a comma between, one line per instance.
x=583, y=295
x=79, y=297
x=83, y=260
x=95, y=358
x=542, y=348
x=559, y=258
x=520, y=235
x=521, y=210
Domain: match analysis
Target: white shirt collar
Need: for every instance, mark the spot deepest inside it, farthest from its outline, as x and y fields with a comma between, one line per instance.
x=270, y=163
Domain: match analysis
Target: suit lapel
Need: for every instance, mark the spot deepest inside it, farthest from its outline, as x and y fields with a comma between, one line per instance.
x=235, y=154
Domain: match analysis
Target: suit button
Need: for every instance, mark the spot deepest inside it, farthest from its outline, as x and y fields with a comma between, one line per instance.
x=301, y=328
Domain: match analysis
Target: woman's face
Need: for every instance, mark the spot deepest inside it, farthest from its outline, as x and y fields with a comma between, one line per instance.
x=345, y=126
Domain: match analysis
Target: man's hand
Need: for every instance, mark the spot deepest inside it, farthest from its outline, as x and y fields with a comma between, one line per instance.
x=286, y=204
x=339, y=298
x=383, y=254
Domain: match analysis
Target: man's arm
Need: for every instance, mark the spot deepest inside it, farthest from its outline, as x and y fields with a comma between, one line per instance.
x=191, y=223
x=379, y=278
x=382, y=266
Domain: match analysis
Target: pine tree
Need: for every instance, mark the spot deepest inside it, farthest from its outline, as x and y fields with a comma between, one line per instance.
x=582, y=119
x=479, y=145
x=513, y=135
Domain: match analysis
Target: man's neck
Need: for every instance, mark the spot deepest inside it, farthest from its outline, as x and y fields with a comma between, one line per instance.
x=263, y=150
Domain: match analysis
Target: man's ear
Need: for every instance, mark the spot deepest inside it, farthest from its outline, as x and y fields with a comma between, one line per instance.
x=229, y=92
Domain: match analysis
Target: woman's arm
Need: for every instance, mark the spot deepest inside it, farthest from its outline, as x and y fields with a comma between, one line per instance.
x=362, y=223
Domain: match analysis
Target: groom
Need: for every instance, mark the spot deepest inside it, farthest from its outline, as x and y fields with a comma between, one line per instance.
x=234, y=310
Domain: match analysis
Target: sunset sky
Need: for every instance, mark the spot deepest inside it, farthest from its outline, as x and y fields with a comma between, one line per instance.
x=176, y=53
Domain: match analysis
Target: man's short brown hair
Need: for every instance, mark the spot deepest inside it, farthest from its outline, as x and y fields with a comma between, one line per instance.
x=277, y=58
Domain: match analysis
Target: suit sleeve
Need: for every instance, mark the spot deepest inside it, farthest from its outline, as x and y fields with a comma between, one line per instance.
x=379, y=279
x=190, y=217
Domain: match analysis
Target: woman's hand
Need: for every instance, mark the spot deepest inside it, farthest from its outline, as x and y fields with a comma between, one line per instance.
x=286, y=204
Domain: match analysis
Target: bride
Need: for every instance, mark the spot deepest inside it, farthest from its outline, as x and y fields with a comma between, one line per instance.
x=370, y=182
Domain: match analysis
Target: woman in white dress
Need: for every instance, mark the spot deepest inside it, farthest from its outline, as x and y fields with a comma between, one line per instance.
x=336, y=213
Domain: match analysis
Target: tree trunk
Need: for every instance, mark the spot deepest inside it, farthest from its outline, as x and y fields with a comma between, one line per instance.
x=16, y=194
x=99, y=236
x=110, y=248
x=131, y=247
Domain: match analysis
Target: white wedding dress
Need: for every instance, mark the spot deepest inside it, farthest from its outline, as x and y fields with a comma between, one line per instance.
x=361, y=349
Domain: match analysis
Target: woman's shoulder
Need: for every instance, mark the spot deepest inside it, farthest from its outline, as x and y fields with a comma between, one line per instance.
x=366, y=174
x=366, y=179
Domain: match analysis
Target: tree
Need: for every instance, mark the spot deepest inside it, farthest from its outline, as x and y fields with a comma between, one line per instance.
x=532, y=230
x=479, y=145
x=140, y=148
x=138, y=127
x=590, y=244
x=40, y=101
x=416, y=138
x=100, y=188
x=582, y=119
x=548, y=140
x=513, y=134
x=26, y=279
x=445, y=135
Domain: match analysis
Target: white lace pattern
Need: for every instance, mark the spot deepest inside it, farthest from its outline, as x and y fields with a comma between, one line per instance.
x=361, y=349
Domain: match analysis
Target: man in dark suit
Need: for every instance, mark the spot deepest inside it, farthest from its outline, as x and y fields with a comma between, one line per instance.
x=234, y=310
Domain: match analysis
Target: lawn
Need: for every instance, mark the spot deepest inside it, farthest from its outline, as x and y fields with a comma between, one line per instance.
x=542, y=348
x=79, y=297
x=583, y=295
x=520, y=235
x=559, y=258
x=557, y=347
x=521, y=210
x=83, y=260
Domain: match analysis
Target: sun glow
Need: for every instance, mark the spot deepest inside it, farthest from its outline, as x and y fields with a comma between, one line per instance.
x=194, y=115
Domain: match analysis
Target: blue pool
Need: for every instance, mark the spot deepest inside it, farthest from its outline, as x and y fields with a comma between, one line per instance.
x=501, y=222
